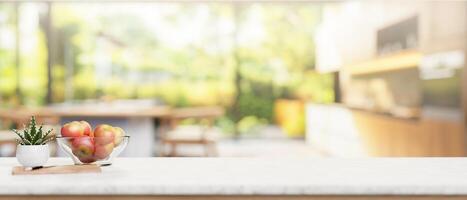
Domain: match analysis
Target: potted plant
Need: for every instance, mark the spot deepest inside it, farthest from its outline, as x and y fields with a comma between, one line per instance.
x=32, y=149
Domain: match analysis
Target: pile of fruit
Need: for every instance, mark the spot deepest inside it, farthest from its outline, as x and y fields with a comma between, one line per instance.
x=88, y=145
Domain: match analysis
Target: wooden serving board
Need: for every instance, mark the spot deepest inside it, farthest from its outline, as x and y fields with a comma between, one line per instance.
x=64, y=169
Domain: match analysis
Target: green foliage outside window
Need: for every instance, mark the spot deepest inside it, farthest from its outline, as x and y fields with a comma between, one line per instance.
x=183, y=54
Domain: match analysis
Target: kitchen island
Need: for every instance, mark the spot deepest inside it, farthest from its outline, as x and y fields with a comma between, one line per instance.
x=246, y=178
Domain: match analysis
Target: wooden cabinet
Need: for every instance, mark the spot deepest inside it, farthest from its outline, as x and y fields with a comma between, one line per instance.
x=388, y=136
x=346, y=132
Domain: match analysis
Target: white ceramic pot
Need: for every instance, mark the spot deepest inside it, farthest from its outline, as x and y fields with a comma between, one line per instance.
x=32, y=155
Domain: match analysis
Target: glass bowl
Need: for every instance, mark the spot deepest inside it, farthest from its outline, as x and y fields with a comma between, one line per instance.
x=98, y=150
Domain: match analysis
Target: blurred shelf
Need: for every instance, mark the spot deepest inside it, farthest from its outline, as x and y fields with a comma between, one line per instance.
x=399, y=61
x=413, y=116
x=18, y=114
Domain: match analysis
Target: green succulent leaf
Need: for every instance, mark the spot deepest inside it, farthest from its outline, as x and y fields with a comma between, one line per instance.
x=32, y=135
x=19, y=142
x=47, y=140
x=27, y=134
x=39, y=135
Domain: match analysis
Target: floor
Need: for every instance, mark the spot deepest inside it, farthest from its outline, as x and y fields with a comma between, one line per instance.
x=268, y=141
x=256, y=148
x=267, y=148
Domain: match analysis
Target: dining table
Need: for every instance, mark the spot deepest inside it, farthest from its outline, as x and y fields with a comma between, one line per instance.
x=139, y=119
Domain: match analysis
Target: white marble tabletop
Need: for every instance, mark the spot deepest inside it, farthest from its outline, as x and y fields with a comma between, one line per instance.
x=249, y=176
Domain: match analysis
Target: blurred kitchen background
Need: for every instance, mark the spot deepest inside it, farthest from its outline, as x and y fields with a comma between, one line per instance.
x=242, y=78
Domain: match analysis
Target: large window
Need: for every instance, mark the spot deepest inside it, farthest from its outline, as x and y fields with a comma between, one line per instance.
x=243, y=56
x=23, y=54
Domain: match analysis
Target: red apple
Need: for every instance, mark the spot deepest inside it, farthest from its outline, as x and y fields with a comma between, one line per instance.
x=87, y=128
x=104, y=134
x=87, y=159
x=119, y=133
x=83, y=148
x=102, y=127
x=103, y=151
x=72, y=129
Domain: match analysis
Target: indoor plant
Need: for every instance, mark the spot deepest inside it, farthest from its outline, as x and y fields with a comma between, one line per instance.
x=32, y=149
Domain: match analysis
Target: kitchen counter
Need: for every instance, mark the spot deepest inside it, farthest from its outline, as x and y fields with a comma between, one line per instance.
x=167, y=178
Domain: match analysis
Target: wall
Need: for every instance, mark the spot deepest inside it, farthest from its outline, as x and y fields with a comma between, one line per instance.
x=351, y=27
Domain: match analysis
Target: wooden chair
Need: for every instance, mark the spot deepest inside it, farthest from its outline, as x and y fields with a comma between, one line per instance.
x=201, y=133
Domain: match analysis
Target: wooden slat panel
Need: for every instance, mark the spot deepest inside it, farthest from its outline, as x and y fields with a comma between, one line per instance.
x=388, y=136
